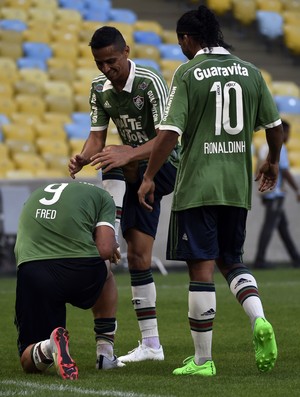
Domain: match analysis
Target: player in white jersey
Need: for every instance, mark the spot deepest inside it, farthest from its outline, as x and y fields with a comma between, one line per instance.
x=216, y=100
x=134, y=98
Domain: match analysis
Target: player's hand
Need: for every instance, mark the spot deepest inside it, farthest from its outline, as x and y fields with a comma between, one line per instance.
x=146, y=192
x=75, y=164
x=112, y=156
x=267, y=176
x=116, y=256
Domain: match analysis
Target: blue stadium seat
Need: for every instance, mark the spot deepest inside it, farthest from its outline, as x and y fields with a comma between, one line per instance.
x=270, y=24
x=122, y=15
x=171, y=51
x=81, y=118
x=77, y=5
x=32, y=63
x=94, y=14
x=37, y=50
x=76, y=130
x=147, y=62
x=287, y=104
x=13, y=24
x=145, y=37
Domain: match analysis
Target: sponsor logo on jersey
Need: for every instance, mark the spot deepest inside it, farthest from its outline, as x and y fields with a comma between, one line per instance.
x=143, y=86
x=206, y=73
x=139, y=102
x=107, y=105
x=99, y=87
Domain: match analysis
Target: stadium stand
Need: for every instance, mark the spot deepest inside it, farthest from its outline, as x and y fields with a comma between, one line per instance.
x=46, y=66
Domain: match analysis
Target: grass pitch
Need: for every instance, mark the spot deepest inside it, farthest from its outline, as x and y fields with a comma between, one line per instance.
x=233, y=351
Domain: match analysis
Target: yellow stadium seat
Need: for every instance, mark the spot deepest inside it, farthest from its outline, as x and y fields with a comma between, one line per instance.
x=11, y=50
x=87, y=74
x=57, y=162
x=29, y=161
x=17, y=146
x=84, y=51
x=82, y=103
x=146, y=51
x=148, y=26
x=6, y=89
x=60, y=50
x=13, y=13
x=269, y=5
x=58, y=88
x=37, y=35
x=28, y=87
x=287, y=88
x=291, y=37
x=267, y=77
x=22, y=132
x=46, y=16
x=68, y=15
x=220, y=7
x=32, y=104
x=11, y=36
x=57, y=118
x=169, y=36
x=244, y=11
x=61, y=72
x=83, y=63
x=291, y=5
x=168, y=67
x=19, y=174
x=87, y=172
x=45, y=4
x=76, y=145
x=6, y=164
x=25, y=118
x=8, y=70
x=291, y=17
x=4, y=153
x=48, y=145
x=23, y=4
x=35, y=76
x=65, y=36
x=50, y=130
x=7, y=106
x=56, y=103
x=81, y=87
x=50, y=174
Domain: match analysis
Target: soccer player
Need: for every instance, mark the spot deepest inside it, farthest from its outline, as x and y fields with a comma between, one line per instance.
x=275, y=216
x=134, y=98
x=216, y=100
x=64, y=243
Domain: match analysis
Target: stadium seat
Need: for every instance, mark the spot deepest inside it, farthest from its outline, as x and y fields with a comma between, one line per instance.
x=147, y=37
x=29, y=161
x=31, y=63
x=56, y=103
x=220, y=7
x=15, y=25
x=77, y=130
x=13, y=13
x=87, y=74
x=244, y=11
x=148, y=26
x=68, y=15
x=291, y=37
x=57, y=162
x=82, y=103
x=169, y=36
x=3, y=120
x=269, y=5
x=50, y=130
x=22, y=4
x=41, y=51
x=3, y=151
x=6, y=90
x=171, y=51
x=8, y=70
x=45, y=4
x=45, y=15
x=81, y=87
x=25, y=118
x=287, y=104
x=17, y=146
x=147, y=62
x=57, y=117
x=60, y=50
x=146, y=51
x=285, y=88
x=270, y=24
x=32, y=104
x=58, y=88
x=28, y=87
x=37, y=35
x=89, y=14
x=77, y=5
x=82, y=118
x=11, y=50
x=6, y=164
x=11, y=36
x=168, y=67
x=291, y=17
x=54, y=147
x=122, y=15
x=7, y=106
x=21, y=132
x=50, y=174
x=76, y=145
x=19, y=174
x=37, y=77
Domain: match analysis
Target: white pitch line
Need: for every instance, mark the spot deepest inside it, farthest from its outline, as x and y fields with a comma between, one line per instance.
x=73, y=389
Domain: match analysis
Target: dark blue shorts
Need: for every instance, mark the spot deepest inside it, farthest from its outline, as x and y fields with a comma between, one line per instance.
x=208, y=233
x=43, y=289
x=134, y=215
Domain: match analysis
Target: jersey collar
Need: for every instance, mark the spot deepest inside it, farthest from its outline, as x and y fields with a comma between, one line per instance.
x=129, y=83
x=214, y=50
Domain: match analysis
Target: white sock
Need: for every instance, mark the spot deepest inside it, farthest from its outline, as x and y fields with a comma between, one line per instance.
x=41, y=355
x=104, y=348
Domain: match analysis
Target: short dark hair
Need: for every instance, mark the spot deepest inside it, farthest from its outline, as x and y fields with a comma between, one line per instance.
x=107, y=36
x=203, y=25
